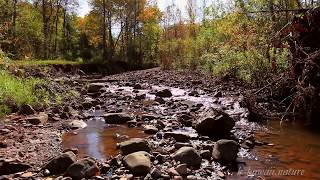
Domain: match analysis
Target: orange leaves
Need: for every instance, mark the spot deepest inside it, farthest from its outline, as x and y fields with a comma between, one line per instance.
x=149, y=14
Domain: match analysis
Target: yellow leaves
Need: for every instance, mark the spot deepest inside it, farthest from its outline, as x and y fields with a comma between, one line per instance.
x=149, y=14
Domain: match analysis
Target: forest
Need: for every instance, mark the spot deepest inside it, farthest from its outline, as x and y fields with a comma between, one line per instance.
x=159, y=89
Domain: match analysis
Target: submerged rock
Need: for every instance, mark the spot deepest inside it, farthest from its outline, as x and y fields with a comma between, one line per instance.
x=215, y=123
x=139, y=162
x=117, y=118
x=84, y=168
x=60, y=163
x=134, y=145
x=164, y=93
x=225, y=150
x=188, y=155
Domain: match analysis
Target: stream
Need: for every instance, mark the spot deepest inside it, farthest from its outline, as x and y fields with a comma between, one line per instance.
x=285, y=152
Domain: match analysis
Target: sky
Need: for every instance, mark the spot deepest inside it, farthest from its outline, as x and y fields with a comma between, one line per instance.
x=84, y=7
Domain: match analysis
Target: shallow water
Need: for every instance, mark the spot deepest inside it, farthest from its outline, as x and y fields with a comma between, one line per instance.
x=291, y=150
x=293, y=153
x=98, y=139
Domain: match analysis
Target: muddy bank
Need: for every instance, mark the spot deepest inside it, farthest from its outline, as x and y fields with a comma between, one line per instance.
x=150, y=124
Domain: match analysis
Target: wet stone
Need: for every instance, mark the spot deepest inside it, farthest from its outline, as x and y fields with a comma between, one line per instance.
x=165, y=93
x=134, y=145
x=8, y=167
x=150, y=129
x=225, y=150
x=42, y=118
x=117, y=118
x=95, y=87
x=180, y=137
x=26, y=110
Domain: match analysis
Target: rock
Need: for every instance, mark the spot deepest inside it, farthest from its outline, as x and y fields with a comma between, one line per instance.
x=134, y=145
x=26, y=110
x=182, y=169
x=95, y=87
x=117, y=118
x=137, y=86
x=178, y=136
x=188, y=155
x=194, y=93
x=172, y=172
x=164, y=93
x=77, y=124
x=155, y=173
x=138, y=162
x=42, y=118
x=177, y=178
x=159, y=100
x=215, y=123
x=140, y=97
x=60, y=163
x=205, y=154
x=218, y=94
x=74, y=150
x=150, y=129
x=8, y=167
x=3, y=144
x=84, y=168
x=225, y=150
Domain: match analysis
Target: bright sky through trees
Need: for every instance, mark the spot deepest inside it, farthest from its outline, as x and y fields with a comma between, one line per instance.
x=84, y=6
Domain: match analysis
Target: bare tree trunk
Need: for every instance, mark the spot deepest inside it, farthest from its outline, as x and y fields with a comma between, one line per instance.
x=56, y=27
x=14, y=18
x=45, y=29
x=104, y=30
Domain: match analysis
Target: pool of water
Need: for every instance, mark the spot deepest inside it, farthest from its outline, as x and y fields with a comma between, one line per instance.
x=99, y=139
x=293, y=153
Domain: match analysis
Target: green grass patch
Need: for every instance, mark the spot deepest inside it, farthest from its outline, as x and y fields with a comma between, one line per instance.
x=17, y=91
x=45, y=62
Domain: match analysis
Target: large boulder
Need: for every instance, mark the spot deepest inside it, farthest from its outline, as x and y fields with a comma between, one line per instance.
x=60, y=163
x=8, y=167
x=225, y=150
x=134, y=145
x=84, y=168
x=117, y=118
x=95, y=87
x=214, y=123
x=165, y=93
x=41, y=118
x=138, y=162
x=188, y=155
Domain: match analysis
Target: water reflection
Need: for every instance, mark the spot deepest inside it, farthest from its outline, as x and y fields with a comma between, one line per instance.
x=99, y=139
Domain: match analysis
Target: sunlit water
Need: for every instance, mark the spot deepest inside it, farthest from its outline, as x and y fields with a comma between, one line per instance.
x=291, y=150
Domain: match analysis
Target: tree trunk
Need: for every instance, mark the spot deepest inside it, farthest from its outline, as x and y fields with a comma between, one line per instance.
x=45, y=29
x=104, y=30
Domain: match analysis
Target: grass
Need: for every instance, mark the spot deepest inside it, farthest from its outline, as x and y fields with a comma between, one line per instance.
x=18, y=91
x=45, y=62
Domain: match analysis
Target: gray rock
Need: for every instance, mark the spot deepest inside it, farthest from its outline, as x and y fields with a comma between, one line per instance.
x=95, y=87
x=150, y=129
x=178, y=136
x=138, y=162
x=84, y=168
x=77, y=124
x=215, y=123
x=60, y=163
x=205, y=154
x=117, y=118
x=155, y=173
x=188, y=155
x=26, y=110
x=225, y=150
x=165, y=93
x=134, y=145
x=182, y=169
x=8, y=167
x=42, y=118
